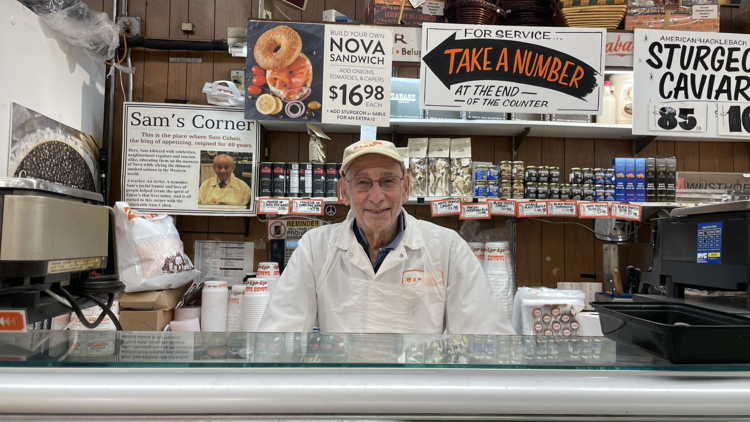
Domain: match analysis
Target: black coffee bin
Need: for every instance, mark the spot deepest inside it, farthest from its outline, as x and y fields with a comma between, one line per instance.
x=711, y=337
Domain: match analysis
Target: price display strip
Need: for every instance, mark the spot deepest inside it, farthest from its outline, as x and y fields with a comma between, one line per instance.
x=475, y=212
x=445, y=207
x=677, y=117
x=532, y=209
x=593, y=209
x=276, y=206
x=626, y=211
x=562, y=208
x=357, y=78
x=734, y=119
x=307, y=206
x=501, y=207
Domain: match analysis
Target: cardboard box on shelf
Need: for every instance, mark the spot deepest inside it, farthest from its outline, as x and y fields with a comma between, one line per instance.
x=145, y=320
x=640, y=180
x=702, y=17
x=382, y=12
x=154, y=301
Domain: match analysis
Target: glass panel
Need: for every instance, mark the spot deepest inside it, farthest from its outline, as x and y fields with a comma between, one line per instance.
x=175, y=349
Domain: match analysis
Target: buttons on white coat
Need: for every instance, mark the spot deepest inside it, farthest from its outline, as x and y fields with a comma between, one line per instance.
x=401, y=256
x=351, y=254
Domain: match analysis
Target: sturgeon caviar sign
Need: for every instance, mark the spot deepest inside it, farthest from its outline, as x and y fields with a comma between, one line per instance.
x=530, y=70
x=337, y=74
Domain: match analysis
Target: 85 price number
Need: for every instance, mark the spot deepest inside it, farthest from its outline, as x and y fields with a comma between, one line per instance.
x=677, y=117
x=355, y=95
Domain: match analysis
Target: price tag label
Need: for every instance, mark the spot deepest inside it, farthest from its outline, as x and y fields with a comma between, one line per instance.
x=446, y=207
x=435, y=8
x=498, y=207
x=734, y=119
x=626, y=211
x=475, y=211
x=677, y=117
x=532, y=209
x=273, y=206
x=562, y=208
x=593, y=209
x=307, y=206
x=357, y=79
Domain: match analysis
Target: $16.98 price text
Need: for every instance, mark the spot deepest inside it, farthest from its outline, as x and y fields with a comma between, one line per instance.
x=356, y=94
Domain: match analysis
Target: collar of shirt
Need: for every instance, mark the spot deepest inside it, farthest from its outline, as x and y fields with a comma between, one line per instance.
x=382, y=252
x=229, y=181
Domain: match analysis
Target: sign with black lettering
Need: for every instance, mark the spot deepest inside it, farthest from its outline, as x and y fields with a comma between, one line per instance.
x=475, y=212
x=501, y=207
x=593, y=209
x=691, y=84
x=189, y=160
x=446, y=207
x=626, y=211
x=307, y=206
x=273, y=206
x=562, y=208
x=532, y=209
x=501, y=69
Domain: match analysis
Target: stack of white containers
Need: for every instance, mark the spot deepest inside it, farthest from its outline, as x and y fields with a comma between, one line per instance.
x=186, y=318
x=234, y=314
x=214, y=303
x=499, y=272
x=478, y=249
x=254, y=303
x=269, y=271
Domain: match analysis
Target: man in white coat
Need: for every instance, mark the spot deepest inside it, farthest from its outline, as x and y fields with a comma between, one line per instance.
x=382, y=270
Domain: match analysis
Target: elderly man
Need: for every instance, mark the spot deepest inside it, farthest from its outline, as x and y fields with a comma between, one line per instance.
x=224, y=188
x=382, y=270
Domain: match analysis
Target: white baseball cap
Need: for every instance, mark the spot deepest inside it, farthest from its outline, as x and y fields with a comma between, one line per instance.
x=370, y=146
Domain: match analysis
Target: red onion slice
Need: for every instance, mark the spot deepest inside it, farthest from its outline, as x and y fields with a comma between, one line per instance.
x=285, y=95
x=299, y=105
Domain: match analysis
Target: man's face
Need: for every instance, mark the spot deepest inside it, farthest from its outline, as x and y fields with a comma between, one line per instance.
x=223, y=168
x=376, y=209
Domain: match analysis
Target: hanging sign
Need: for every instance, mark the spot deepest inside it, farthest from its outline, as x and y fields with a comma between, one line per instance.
x=593, y=209
x=691, y=84
x=337, y=74
x=307, y=206
x=475, y=212
x=626, y=211
x=500, y=207
x=562, y=208
x=446, y=207
x=497, y=69
x=189, y=159
x=532, y=209
x=273, y=206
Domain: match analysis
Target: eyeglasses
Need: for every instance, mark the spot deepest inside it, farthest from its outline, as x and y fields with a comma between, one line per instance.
x=364, y=184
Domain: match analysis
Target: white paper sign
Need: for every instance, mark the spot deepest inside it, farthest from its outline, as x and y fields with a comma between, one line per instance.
x=225, y=261
x=176, y=157
x=501, y=69
x=434, y=8
x=446, y=207
x=407, y=44
x=157, y=347
x=273, y=206
x=357, y=78
x=416, y=3
x=705, y=11
x=532, y=209
x=677, y=117
x=687, y=67
x=475, y=211
x=507, y=208
x=734, y=119
x=619, y=49
x=307, y=206
x=562, y=208
x=593, y=209
x=626, y=211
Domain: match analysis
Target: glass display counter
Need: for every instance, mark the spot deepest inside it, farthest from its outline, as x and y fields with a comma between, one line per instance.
x=168, y=375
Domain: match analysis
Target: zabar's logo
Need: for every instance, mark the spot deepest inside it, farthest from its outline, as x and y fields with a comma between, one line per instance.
x=621, y=49
x=368, y=145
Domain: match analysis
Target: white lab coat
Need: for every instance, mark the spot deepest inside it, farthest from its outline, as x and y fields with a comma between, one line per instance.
x=430, y=284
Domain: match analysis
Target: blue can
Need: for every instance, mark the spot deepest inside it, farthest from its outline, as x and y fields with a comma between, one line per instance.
x=480, y=190
x=493, y=174
x=480, y=174
x=599, y=193
x=492, y=190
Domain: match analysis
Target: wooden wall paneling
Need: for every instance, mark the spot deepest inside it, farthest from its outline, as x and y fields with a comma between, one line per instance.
x=95, y=5
x=177, y=77
x=607, y=149
x=232, y=13
x=666, y=148
x=652, y=150
x=347, y=7
x=742, y=157
x=155, y=68
x=178, y=14
x=579, y=153
x=283, y=12
x=359, y=14
x=530, y=152
x=503, y=149
x=725, y=19
x=482, y=148
x=529, y=252
x=198, y=74
x=107, y=6
x=137, y=56
x=257, y=234
x=314, y=11
x=227, y=237
x=191, y=223
x=336, y=146
x=736, y=27
x=201, y=13
x=553, y=252
x=224, y=63
x=226, y=224
x=408, y=72
x=423, y=212
x=553, y=152
x=580, y=252
x=447, y=222
x=188, y=242
x=156, y=19
x=688, y=155
x=284, y=146
x=717, y=156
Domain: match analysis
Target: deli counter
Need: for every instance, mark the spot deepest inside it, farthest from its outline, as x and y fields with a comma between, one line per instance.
x=70, y=375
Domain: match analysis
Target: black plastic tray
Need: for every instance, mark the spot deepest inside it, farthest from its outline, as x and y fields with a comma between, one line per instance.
x=712, y=337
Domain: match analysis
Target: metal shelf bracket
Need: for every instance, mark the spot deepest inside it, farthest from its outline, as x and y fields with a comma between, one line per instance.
x=640, y=143
x=518, y=140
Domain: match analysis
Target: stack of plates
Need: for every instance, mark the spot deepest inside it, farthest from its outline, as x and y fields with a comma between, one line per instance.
x=591, y=13
x=254, y=304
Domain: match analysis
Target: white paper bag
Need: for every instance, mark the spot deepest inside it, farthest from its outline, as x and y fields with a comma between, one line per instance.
x=224, y=96
x=150, y=253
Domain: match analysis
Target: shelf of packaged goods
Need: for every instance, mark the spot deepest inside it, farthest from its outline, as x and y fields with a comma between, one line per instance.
x=413, y=200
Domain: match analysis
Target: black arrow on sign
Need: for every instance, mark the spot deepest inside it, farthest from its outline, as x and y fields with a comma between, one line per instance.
x=459, y=61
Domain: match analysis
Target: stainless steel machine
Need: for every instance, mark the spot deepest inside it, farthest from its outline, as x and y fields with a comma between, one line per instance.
x=54, y=239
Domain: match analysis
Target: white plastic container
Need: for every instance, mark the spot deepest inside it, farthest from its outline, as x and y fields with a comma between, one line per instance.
x=609, y=108
x=622, y=87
